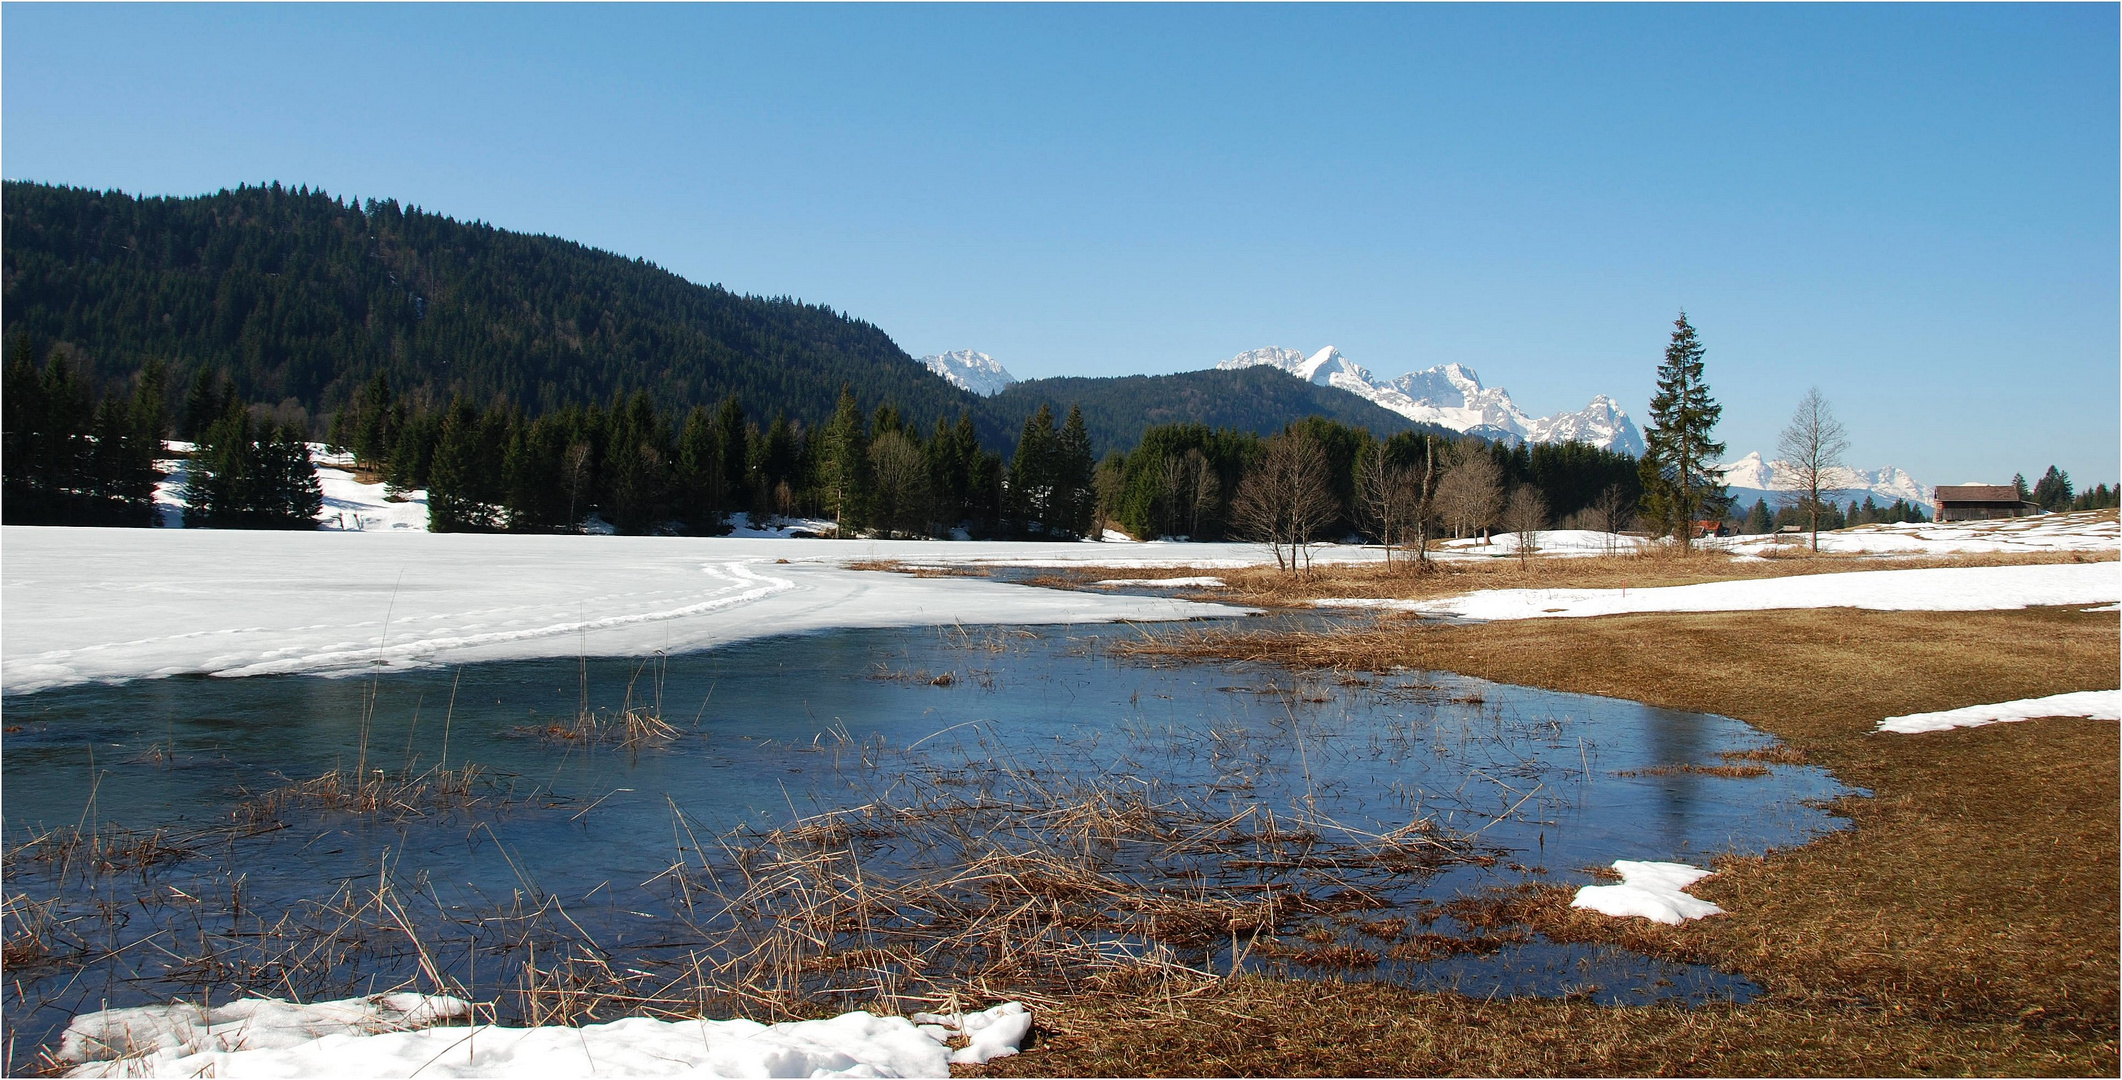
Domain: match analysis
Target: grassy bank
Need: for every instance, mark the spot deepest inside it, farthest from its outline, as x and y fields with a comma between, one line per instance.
x=1968, y=923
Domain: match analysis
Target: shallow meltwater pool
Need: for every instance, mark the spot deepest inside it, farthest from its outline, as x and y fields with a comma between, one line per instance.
x=853, y=815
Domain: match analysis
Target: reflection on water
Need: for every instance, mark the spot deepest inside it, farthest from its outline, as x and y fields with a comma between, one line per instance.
x=568, y=817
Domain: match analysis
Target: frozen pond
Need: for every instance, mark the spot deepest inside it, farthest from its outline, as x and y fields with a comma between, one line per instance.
x=569, y=835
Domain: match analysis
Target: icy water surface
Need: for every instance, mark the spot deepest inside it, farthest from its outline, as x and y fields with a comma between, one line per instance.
x=1517, y=784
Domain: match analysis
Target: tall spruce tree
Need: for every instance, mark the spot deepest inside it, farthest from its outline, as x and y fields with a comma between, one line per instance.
x=845, y=468
x=1678, y=486
x=1074, y=501
x=1033, y=472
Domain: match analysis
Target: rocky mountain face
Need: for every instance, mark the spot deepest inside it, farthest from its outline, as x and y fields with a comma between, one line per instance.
x=1451, y=395
x=969, y=370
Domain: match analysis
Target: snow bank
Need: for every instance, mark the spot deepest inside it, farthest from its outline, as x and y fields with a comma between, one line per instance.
x=1973, y=588
x=179, y=1031
x=2096, y=704
x=89, y=605
x=377, y=1039
x=1651, y=890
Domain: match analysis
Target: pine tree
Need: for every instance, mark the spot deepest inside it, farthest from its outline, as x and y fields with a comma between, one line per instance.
x=1075, y=503
x=1757, y=519
x=1678, y=488
x=845, y=465
x=2053, y=491
x=733, y=454
x=1033, y=473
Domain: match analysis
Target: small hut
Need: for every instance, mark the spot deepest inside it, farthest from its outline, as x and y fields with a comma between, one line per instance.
x=1981, y=502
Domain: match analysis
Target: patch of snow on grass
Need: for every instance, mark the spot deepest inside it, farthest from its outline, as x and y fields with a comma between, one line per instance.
x=2094, y=704
x=1652, y=890
x=1549, y=542
x=1971, y=588
x=990, y=1034
x=280, y=1039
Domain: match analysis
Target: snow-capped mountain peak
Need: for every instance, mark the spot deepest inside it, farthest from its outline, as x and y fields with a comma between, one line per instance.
x=1753, y=477
x=1451, y=395
x=969, y=370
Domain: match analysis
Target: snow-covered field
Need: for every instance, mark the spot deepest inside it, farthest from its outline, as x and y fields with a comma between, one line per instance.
x=1973, y=588
x=390, y=1036
x=86, y=605
x=2090, y=530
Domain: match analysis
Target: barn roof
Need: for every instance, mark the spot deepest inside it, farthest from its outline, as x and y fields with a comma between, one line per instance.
x=1983, y=493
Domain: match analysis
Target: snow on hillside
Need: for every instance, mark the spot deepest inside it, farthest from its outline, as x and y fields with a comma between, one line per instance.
x=1751, y=478
x=969, y=370
x=1451, y=395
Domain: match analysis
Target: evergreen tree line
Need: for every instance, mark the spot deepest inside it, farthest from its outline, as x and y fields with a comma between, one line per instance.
x=1186, y=480
x=2054, y=493
x=77, y=453
x=77, y=456
x=642, y=469
x=1762, y=518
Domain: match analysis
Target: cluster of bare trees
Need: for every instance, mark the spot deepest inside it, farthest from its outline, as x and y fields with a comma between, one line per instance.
x=1287, y=498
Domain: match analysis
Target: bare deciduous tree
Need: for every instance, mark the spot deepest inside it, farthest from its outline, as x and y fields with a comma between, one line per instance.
x=1525, y=515
x=1286, y=498
x=900, y=483
x=1608, y=514
x=1202, y=488
x=1389, y=500
x=1811, y=447
x=1470, y=493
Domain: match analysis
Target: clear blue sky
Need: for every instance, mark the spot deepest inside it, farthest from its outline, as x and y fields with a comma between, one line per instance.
x=1913, y=207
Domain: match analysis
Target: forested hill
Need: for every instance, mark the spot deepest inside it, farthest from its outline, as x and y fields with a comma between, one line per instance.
x=1116, y=411
x=295, y=294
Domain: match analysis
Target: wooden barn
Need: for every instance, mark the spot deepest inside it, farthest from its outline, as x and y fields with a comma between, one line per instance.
x=1980, y=502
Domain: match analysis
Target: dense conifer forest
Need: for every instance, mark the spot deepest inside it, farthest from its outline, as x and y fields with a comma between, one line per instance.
x=301, y=297
x=532, y=384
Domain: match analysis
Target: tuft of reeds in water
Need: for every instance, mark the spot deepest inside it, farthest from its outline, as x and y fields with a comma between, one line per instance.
x=400, y=794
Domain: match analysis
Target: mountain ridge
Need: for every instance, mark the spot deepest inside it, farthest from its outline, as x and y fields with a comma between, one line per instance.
x=1451, y=396
x=1753, y=477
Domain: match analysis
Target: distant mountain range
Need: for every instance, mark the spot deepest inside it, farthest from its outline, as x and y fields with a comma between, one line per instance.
x=1751, y=478
x=1451, y=396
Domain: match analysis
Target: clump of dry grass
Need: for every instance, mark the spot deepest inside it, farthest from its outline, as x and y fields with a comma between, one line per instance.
x=994, y=889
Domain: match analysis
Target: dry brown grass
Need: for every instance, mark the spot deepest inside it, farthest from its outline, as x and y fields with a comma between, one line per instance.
x=1967, y=923
x=1262, y=1027
x=895, y=566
